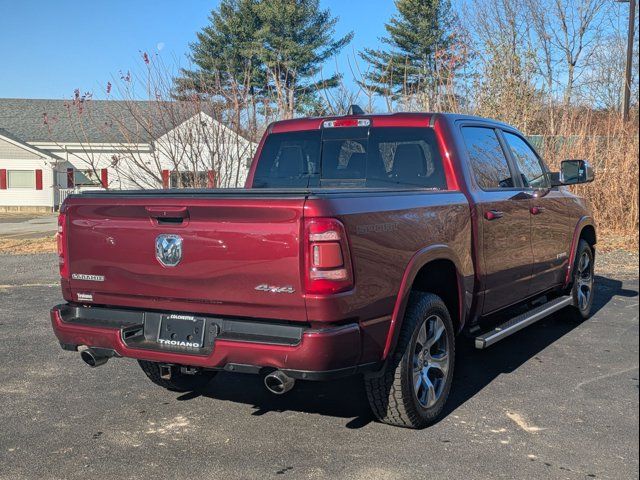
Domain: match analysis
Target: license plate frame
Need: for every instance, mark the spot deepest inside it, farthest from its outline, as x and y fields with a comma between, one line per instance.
x=185, y=331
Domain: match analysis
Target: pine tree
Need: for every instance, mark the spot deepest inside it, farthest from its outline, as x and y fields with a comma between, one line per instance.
x=226, y=55
x=419, y=53
x=297, y=38
x=276, y=48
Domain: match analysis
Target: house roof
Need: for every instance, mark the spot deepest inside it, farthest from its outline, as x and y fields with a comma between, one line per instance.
x=91, y=121
x=38, y=151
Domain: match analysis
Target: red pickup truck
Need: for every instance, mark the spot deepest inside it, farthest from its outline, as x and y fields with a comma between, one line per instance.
x=362, y=244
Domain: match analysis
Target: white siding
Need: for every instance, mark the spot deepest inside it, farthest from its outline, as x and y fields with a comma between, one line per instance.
x=121, y=177
x=10, y=150
x=28, y=197
x=96, y=160
x=233, y=152
x=230, y=172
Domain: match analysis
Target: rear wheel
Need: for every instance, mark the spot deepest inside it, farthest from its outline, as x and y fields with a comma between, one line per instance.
x=415, y=384
x=583, y=281
x=179, y=382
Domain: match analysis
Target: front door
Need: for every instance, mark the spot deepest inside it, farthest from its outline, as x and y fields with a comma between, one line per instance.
x=551, y=233
x=504, y=220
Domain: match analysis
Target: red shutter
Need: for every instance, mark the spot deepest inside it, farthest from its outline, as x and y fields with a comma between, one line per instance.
x=70, y=182
x=165, y=178
x=104, y=178
x=3, y=179
x=38, y=179
x=211, y=179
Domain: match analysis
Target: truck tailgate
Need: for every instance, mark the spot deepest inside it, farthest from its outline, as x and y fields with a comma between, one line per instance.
x=240, y=255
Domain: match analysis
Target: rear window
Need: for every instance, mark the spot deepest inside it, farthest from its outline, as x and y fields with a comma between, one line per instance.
x=351, y=157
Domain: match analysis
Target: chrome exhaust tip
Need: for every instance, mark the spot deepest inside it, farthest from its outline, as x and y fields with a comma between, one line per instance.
x=278, y=382
x=93, y=359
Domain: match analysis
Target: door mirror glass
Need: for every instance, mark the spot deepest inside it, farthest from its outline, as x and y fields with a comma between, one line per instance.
x=573, y=172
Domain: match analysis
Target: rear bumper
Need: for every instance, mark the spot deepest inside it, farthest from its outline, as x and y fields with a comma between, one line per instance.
x=230, y=344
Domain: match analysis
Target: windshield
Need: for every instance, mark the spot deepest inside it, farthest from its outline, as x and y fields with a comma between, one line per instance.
x=351, y=157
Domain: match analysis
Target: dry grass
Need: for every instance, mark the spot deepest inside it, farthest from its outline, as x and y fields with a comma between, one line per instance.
x=27, y=246
x=610, y=241
x=612, y=148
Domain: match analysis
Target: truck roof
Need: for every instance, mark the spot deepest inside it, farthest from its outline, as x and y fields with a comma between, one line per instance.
x=400, y=119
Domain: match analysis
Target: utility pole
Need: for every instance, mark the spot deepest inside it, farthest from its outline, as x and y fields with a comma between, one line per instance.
x=626, y=96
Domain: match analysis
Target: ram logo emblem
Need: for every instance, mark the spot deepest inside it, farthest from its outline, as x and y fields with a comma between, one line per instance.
x=169, y=249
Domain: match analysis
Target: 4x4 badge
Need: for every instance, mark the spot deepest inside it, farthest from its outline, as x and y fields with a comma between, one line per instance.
x=274, y=289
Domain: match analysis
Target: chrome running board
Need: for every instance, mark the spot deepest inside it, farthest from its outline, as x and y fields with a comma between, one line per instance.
x=521, y=321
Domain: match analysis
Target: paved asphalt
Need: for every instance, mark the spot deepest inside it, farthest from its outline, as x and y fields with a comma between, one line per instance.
x=557, y=400
x=19, y=226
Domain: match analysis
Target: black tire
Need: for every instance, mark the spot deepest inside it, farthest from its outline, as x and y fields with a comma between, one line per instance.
x=392, y=396
x=583, y=281
x=179, y=382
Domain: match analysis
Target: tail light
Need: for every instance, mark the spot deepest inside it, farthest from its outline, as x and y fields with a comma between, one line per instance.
x=327, y=261
x=61, y=236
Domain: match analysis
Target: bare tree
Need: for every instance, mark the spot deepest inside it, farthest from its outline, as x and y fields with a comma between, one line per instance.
x=505, y=86
x=568, y=32
x=198, y=141
x=602, y=81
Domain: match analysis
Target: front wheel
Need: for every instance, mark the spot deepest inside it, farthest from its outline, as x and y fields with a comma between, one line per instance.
x=583, y=281
x=414, y=386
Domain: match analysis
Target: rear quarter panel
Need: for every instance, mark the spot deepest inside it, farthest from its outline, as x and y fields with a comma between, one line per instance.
x=387, y=235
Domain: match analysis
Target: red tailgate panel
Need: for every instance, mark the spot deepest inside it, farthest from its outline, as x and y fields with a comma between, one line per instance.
x=229, y=247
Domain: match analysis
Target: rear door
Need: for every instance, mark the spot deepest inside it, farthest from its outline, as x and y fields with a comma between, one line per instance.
x=551, y=230
x=504, y=218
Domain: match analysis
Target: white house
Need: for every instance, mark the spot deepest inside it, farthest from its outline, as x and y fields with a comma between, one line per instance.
x=49, y=148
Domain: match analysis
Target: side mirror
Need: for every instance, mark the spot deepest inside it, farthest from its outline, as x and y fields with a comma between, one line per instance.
x=573, y=172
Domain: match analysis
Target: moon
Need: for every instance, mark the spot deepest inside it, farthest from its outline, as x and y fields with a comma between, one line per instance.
x=160, y=46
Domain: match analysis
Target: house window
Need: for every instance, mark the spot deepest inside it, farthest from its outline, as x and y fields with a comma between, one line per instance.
x=86, y=178
x=21, y=179
x=189, y=179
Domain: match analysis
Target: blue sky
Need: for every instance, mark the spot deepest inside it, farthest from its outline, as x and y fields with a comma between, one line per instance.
x=50, y=47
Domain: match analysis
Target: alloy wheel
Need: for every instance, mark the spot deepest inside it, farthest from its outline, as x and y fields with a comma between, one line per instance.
x=584, y=281
x=430, y=361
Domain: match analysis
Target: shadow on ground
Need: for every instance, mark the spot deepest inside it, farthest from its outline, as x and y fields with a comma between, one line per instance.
x=475, y=369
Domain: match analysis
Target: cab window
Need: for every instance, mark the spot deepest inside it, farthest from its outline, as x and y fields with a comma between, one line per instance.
x=529, y=165
x=488, y=160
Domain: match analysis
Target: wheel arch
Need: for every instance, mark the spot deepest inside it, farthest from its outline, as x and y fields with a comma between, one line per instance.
x=585, y=230
x=435, y=269
x=588, y=233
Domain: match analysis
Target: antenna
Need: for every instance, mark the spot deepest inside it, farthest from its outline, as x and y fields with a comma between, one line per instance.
x=355, y=110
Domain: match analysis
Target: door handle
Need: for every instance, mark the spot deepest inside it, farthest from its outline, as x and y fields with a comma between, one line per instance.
x=493, y=214
x=537, y=210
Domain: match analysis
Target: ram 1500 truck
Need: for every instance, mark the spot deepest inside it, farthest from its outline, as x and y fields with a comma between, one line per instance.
x=362, y=244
